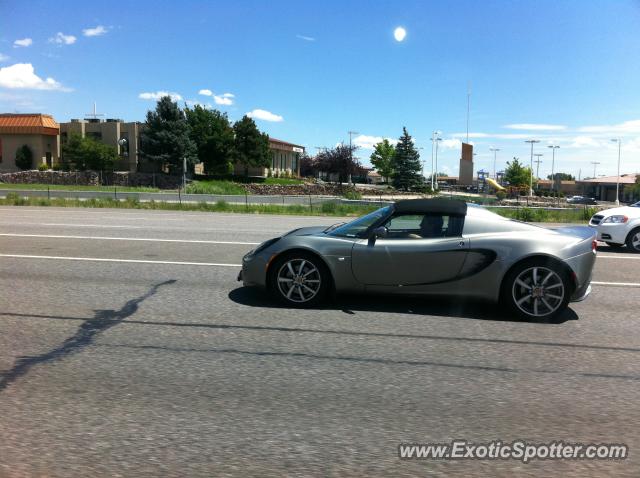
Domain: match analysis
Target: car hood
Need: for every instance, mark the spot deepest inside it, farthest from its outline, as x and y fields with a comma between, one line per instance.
x=306, y=231
x=624, y=211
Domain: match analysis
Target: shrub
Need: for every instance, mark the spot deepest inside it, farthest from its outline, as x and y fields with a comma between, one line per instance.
x=24, y=157
x=43, y=167
x=352, y=195
x=501, y=195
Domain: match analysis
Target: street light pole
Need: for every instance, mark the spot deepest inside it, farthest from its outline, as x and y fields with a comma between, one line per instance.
x=538, y=161
x=553, y=162
x=532, y=142
x=351, y=133
x=619, y=141
x=438, y=139
x=495, y=150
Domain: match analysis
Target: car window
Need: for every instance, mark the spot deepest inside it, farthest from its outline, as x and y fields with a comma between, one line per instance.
x=423, y=226
x=358, y=226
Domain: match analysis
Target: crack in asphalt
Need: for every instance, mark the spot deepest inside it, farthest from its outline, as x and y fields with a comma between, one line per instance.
x=86, y=333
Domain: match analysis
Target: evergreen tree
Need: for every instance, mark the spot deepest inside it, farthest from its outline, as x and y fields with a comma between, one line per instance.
x=382, y=158
x=212, y=134
x=24, y=157
x=165, y=141
x=406, y=164
x=251, y=147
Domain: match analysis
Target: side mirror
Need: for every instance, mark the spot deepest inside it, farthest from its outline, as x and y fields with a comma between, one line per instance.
x=376, y=233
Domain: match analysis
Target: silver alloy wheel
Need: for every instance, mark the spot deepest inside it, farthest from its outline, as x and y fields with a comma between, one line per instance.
x=538, y=291
x=299, y=280
x=635, y=241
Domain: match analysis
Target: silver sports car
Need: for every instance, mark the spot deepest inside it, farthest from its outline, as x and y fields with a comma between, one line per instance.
x=430, y=247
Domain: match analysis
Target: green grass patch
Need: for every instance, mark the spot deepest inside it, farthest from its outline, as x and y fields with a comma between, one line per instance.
x=324, y=209
x=283, y=181
x=528, y=214
x=72, y=187
x=214, y=186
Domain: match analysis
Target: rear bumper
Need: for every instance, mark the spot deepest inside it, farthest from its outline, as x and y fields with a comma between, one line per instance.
x=581, y=295
x=582, y=267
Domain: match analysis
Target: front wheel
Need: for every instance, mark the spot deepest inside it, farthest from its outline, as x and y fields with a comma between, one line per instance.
x=537, y=290
x=299, y=279
x=633, y=240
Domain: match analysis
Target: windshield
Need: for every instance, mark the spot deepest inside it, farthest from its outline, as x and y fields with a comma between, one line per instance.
x=357, y=226
x=636, y=204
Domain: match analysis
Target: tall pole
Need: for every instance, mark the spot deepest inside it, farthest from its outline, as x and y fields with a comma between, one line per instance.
x=553, y=162
x=619, y=141
x=438, y=139
x=538, y=161
x=468, y=107
x=595, y=163
x=433, y=135
x=495, y=150
x=351, y=133
x=532, y=142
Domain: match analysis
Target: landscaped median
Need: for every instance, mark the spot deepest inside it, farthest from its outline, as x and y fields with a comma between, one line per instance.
x=330, y=207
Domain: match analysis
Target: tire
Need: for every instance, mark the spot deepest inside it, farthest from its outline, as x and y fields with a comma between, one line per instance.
x=299, y=279
x=545, y=301
x=614, y=245
x=633, y=240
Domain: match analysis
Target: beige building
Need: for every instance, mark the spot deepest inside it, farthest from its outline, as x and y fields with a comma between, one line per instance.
x=125, y=137
x=39, y=132
x=285, y=160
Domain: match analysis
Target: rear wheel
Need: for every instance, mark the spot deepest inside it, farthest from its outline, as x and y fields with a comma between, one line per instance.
x=633, y=240
x=537, y=290
x=299, y=279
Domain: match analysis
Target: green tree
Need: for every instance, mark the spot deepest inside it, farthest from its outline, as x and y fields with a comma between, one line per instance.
x=251, y=147
x=24, y=157
x=86, y=153
x=562, y=177
x=406, y=164
x=212, y=134
x=517, y=174
x=338, y=161
x=165, y=140
x=382, y=158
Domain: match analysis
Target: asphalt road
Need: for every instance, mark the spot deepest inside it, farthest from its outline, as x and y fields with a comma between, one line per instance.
x=156, y=362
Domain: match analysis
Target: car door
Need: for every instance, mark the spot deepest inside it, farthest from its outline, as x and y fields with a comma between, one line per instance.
x=406, y=258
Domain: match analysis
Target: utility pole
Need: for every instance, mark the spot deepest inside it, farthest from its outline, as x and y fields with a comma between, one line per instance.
x=595, y=163
x=538, y=161
x=619, y=141
x=351, y=133
x=532, y=142
x=435, y=137
x=468, y=107
x=495, y=150
x=553, y=161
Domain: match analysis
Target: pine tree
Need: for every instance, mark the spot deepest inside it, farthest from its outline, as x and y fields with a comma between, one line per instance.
x=251, y=148
x=406, y=164
x=165, y=141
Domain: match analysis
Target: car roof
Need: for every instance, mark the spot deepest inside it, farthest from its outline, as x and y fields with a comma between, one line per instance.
x=438, y=205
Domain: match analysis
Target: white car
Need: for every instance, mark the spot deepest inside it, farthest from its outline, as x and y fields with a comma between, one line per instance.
x=619, y=226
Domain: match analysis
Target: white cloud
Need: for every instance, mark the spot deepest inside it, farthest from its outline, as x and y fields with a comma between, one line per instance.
x=228, y=95
x=205, y=92
x=159, y=94
x=24, y=42
x=22, y=76
x=632, y=126
x=369, y=142
x=451, y=144
x=223, y=100
x=491, y=135
x=62, y=39
x=3, y=57
x=535, y=126
x=305, y=38
x=95, y=31
x=584, y=142
x=265, y=115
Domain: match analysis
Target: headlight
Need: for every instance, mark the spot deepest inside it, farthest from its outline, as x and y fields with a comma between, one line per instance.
x=616, y=219
x=264, y=245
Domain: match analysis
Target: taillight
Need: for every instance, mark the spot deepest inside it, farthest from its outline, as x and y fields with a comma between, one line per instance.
x=594, y=246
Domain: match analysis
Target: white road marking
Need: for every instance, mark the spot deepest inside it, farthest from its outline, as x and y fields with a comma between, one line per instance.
x=617, y=284
x=619, y=256
x=134, y=261
x=163, y=228
x=104, y=238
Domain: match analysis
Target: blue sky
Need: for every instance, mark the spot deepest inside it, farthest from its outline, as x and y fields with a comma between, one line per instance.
x=564, y=72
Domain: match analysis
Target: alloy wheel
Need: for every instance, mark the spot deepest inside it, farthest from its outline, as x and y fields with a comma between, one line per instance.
x=538, y=291
x=299, y=280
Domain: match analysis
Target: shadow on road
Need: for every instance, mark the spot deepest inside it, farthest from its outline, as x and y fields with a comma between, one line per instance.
x=87, y=331
x=392, y=304
x=615, y=250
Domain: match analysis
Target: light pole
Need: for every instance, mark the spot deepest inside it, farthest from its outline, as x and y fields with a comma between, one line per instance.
x=351, y=133
x=619, y=141
x=495, y=150
x=532, y=142
x=553, y=162
x=595, y=163
x=538, y=161
x=434, y=142
x=438, y=139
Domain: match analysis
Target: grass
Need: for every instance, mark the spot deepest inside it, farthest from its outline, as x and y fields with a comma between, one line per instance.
x=214, y=186
x=547, y=215
x=283, y=181
x=324, y=209
x=73, y=187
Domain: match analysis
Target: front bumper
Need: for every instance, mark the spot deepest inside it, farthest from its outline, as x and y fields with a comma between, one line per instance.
x=615, y=233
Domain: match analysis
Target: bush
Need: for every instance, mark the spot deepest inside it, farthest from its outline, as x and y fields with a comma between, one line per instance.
x=352, y=195
x=24, y=157
x=43, y=167
x=501, y=195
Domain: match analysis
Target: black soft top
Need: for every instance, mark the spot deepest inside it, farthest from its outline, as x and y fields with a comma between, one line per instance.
x=451, y=207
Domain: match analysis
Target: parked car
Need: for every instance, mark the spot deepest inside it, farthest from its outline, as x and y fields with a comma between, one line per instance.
x=619, y=226
x=581, y=200
x=430, y=247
